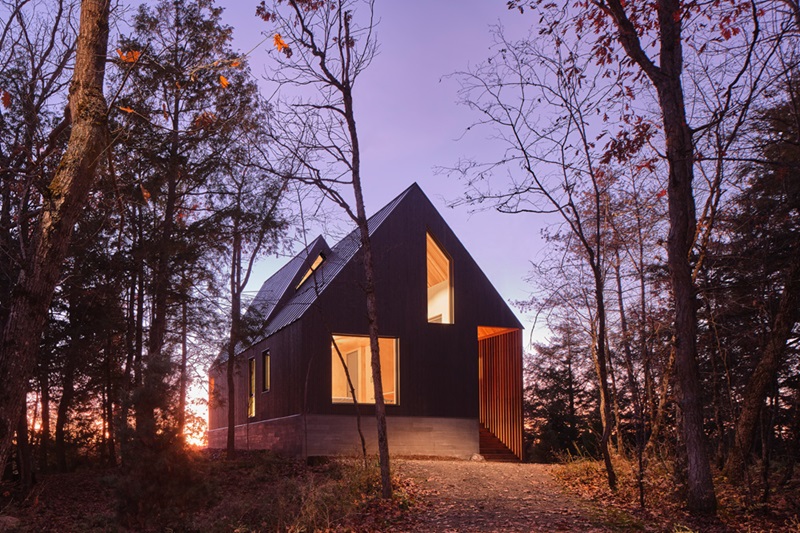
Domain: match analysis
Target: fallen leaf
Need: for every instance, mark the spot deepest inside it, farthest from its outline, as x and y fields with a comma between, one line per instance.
x=223, y=81
x=126, y=109
x=6, y=99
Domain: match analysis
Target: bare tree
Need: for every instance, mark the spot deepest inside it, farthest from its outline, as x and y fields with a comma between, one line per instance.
x=635, y=27
x=538, y=95
x=326, y=45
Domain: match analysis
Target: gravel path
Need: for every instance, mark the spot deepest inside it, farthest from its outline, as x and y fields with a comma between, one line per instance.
x=473, y=496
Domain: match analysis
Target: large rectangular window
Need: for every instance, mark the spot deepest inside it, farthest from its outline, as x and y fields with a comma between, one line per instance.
x=440, y=284
x=251, y=387
x=356, y=353
x=266, y=377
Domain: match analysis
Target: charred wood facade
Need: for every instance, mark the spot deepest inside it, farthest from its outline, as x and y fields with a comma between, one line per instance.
x=441, y=368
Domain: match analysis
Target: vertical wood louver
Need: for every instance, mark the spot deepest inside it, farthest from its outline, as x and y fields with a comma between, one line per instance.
x=500, y=384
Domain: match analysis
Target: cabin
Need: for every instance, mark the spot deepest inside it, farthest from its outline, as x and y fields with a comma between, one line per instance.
x=450, y=349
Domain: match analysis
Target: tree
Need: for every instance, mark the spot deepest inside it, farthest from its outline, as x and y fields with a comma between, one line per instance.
x=762, y=255
x=327, y=45
x=186, y=105
x=562, y=412
x=63, y=203
x=622, y=34
x=37, y=44
x=250, y=200
x=552, y=162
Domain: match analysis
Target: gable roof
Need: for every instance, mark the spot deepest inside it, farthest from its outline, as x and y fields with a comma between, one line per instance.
x=280, y=302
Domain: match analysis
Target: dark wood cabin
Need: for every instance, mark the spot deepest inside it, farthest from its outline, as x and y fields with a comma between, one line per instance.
x=451, y=349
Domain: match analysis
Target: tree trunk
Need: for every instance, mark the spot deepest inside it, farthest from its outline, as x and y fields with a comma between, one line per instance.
x=666, y=79
x=372, y=302
x=617, y=412
x=764, y=373
x=44, y=441
x=63, y=203
x=153, y=394
x=600, y=361
x=184, y=378
x=632, y=383
x=67, y=394
x=111, y=448
x=663, y=400
x=24, y=455
x=235, y=283
x=680, y=153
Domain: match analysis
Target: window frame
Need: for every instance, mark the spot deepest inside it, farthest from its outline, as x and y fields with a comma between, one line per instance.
x=450, y=278
x=251, y=387
x=348, y=399
x=266, y=371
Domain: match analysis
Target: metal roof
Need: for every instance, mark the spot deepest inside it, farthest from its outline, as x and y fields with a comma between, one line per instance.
x=278, y=304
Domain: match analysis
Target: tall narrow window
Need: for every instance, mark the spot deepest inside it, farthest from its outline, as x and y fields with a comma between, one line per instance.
x=357, y=356
x=265, y=369
x=440, y=284
x=251, y=388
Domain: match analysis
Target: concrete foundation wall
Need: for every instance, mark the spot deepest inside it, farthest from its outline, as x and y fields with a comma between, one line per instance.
x=440, y=437
x=281, y=435
x=338, y=435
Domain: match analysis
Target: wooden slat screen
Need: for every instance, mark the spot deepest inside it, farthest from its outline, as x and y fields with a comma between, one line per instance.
x=500, y=383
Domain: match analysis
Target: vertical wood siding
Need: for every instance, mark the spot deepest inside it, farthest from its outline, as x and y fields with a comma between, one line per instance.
x=438, y=363
x=500, y=383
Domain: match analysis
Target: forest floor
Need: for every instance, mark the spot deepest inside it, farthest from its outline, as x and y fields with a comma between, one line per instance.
x=258, y=492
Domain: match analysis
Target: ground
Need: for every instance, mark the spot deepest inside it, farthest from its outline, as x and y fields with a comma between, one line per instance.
x=261, y=492
x=482, y=496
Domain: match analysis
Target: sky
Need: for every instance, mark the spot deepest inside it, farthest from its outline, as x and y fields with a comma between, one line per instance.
x=410, y=125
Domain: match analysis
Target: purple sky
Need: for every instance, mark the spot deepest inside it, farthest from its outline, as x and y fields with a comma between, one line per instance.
x=409, y=122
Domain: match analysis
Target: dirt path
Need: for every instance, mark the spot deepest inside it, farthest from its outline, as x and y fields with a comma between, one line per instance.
x=472, y=496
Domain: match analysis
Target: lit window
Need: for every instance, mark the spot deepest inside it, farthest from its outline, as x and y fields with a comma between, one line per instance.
x=314, y=266
x=440, y=284
x=357, y=355
x=251, y=389
x=265, y=369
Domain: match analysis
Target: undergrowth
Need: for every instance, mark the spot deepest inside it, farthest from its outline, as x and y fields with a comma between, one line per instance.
x=738, y=509
x=203, y=491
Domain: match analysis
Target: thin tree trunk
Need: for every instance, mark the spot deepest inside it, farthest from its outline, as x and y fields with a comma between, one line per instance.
x=64, y=405
x=663, y=400
x=153, y=394
x=183, y=377
x=369, y=284
x=44, y=385
x=598, y=353
x=355, y=399
x=235, y=286
x=617, y=413
x=634, y=386
x=111, y=449
x=63, y=204
x=24, y=455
